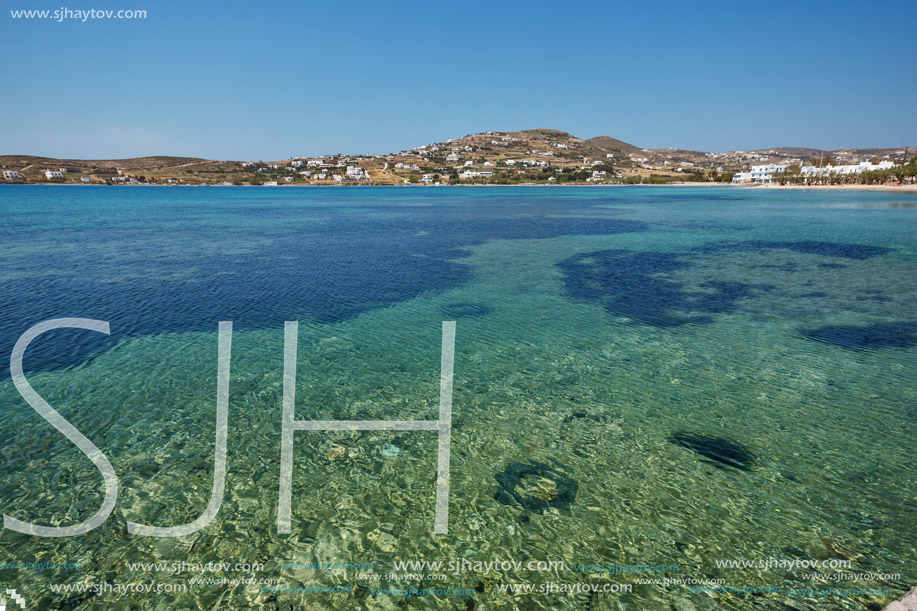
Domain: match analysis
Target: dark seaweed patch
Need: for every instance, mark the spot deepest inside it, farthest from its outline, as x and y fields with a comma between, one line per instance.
x=873, y=295
x=464, y=310
x=727, y=293
x=874, y=298
x=256, y=261
x=825, y=249
x=627, y=283
x=702, y=225
x=721, y=451
x=833, y=265
x=872, y=337
x=642, y=285
x=784, y=268
x=535, y=486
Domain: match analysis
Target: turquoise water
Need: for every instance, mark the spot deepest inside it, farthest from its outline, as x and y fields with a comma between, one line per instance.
x=663, y=377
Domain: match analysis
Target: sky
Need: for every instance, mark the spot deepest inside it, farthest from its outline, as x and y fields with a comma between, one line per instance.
x=270, y=80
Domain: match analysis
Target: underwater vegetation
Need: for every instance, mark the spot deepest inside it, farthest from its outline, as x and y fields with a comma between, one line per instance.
x=628, y=284
x=719, y=451
x=825, y=249
x=254, y=263
x=883, y=335
x=646, y=286
x=536, y=486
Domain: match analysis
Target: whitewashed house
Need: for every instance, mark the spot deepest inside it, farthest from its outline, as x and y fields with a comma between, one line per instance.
x=52, y=174
x=11, y=175
x=845, y=170
x=760, y=174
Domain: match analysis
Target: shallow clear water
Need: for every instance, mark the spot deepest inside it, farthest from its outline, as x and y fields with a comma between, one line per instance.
x=722, y=374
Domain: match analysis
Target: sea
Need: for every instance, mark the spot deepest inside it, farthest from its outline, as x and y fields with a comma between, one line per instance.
x=673, y=398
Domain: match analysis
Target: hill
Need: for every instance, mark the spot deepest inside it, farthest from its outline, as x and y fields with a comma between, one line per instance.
x=504, y=157
x=606, y=145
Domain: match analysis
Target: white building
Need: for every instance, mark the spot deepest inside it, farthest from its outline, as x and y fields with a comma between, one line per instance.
x=844, y=170
x=10, y=175
x=474, y=174
x=761, y=174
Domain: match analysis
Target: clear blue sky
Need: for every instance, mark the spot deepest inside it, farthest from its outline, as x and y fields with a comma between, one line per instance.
x=266, y=80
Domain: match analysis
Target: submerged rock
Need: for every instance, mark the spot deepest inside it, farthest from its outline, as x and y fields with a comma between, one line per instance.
x=717, y=449
x=383, y=540
x=535, y=486
x=908, y=603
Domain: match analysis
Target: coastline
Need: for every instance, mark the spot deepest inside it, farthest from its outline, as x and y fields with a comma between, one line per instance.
x=909, y=188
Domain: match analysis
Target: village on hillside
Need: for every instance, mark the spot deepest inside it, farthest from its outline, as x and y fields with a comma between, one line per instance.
x=541, y=156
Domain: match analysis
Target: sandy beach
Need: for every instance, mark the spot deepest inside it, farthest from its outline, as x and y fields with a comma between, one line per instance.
x=912, y=188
